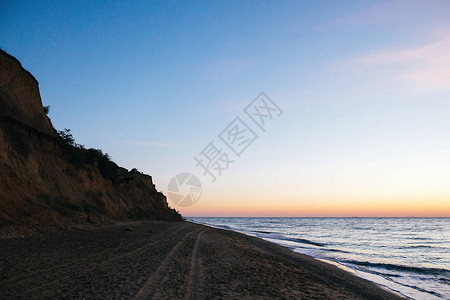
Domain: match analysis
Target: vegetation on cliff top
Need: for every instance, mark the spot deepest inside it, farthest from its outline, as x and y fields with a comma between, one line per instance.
x=79, y=155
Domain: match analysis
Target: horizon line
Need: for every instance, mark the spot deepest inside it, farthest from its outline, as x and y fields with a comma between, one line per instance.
x=228, y=216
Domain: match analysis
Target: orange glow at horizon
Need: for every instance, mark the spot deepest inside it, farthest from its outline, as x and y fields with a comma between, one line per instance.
x=321, y=208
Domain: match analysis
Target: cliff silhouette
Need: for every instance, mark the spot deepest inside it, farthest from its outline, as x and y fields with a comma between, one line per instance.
x=45, y=178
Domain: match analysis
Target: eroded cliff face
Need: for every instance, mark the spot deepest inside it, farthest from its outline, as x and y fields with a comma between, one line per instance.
x=38, y=183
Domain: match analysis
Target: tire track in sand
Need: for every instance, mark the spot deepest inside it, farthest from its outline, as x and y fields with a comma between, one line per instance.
x=91, y=259
x=94, y=267
x=192, y=286
x=150, y=288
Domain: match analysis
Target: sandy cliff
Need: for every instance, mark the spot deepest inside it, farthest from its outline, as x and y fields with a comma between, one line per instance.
x=40, y=184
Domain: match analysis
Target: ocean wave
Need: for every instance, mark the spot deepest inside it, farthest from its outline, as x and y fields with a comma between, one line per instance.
x=296, y=240
x=304, y=241
x=224, y=227
x=417, y=246
x=418, y=270
x=422, y=289
x=337, y=250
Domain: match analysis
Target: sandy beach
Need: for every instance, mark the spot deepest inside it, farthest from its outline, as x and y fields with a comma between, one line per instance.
x=166, y=260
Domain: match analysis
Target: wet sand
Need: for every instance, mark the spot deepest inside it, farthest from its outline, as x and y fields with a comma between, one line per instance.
x=167, y=260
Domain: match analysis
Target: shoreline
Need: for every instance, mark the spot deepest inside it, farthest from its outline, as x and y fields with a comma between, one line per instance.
x=334, y=263
x=168, y=260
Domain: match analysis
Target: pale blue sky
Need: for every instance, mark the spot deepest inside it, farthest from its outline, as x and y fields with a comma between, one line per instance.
x=364, y=86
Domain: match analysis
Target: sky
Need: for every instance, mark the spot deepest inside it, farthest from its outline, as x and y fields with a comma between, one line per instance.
x=363, y=87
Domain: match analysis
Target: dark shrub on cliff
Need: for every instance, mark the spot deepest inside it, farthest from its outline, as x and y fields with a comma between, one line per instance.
x=79, y=155
x=107, y=168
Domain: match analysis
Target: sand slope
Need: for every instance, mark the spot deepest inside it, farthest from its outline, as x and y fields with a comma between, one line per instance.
x=166, y=260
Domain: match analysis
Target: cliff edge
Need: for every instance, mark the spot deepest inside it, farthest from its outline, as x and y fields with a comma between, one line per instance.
x=42, y=178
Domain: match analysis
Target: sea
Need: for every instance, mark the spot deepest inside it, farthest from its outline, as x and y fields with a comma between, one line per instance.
x=410, y=256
